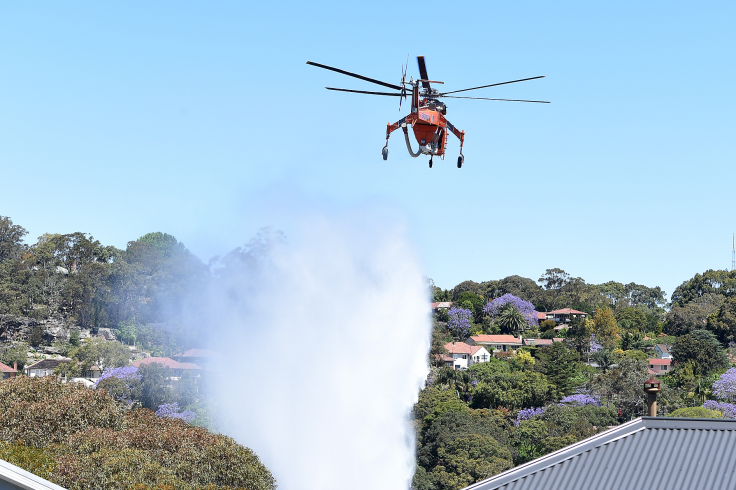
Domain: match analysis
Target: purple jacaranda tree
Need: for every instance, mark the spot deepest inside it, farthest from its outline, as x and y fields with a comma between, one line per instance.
x=458, y=322
x=725, y=387
x=527, y=413
x=595, y=346
x=580, y=399
x=126, y=373
x=171, y=411
x=500, y=307
x=727, y=409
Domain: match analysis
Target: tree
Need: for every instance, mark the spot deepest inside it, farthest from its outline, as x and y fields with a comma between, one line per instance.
x=465, y=286
x=701, y=348
x=461, y=447
x=697, y=413
x=90, y=438
x=558, y=364
x=155, y=390
x=521, y=287
x=681, y=320
x=101, y=353
x=511, y=313
x=458, y=322
x=11, y=238
x=432, y=404
x=631, y=318
x=36, y=338
x=511, y=321
x=166, y=245
x=16, y=354
x=553, y=281
x=578, y=335
x=622, y=387
x=74, y=337
x=472, y=302
x=723, y=322
x=720, y=282
x=725, y=387
x=127, y=332
x=512, y=390
x=470, y=458
x=605, y=328
x=437, y=344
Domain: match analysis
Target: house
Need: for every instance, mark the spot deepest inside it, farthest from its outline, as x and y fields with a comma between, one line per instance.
x=660, y=366
x=663, y=351
x=495, y=343
x=44, y=367
x=445, y=305
x=447, y=361
x=201, y=357
x=565, y=315
x=15, y=478
x=463, y=355
x=654, y=452
x=177, y=368
x=7, y=371
x=93, y=373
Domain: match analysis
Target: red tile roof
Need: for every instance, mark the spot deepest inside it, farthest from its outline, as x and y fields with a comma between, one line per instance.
x=567, y=311
x=6, y=369
x=540, y=341
x=442, y=304
x=475, y=348
x=541, y=315
x=166, y=362
x=457, y=348
x=496, y=339
x=660, y=362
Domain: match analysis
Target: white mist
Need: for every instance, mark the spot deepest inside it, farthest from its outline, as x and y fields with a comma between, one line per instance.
x=325, y=354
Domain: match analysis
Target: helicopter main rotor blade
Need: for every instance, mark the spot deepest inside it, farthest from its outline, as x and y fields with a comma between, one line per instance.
x=506, y=100
x=355, y=75
x=423, y=72
x=363, y=92
x=492, y=85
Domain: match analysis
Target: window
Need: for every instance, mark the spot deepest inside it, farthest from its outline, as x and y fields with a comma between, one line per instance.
x=651, y=366
x=664, y=368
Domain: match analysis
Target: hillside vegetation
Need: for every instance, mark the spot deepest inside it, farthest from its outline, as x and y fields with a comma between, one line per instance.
x=81, y=439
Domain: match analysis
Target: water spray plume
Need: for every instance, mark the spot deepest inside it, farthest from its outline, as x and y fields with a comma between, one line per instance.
x=325, y=341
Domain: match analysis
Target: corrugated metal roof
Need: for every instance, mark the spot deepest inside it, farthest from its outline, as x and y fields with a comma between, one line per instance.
x=657, y=452
x=15, y=478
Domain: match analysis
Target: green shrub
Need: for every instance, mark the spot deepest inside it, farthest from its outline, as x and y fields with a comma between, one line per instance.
x=81, y=439
x=40, y=462
x=696, y=413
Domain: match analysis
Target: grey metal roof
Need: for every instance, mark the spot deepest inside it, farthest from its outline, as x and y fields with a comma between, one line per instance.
x=14, y=478
x=654, y=452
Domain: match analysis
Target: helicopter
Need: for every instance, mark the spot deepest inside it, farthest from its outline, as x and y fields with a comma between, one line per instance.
x=427, y=116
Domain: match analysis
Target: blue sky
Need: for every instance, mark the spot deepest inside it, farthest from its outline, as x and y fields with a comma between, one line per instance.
x=203, y=120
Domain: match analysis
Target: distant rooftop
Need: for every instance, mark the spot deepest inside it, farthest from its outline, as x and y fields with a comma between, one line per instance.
x=166, y=362
x=198, y=353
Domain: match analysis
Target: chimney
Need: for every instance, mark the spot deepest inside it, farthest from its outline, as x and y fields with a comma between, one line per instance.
x=651, y=388
x=15, y=365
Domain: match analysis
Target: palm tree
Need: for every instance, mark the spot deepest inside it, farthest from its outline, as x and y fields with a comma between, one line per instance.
x=459, y=380
x=510, y=320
